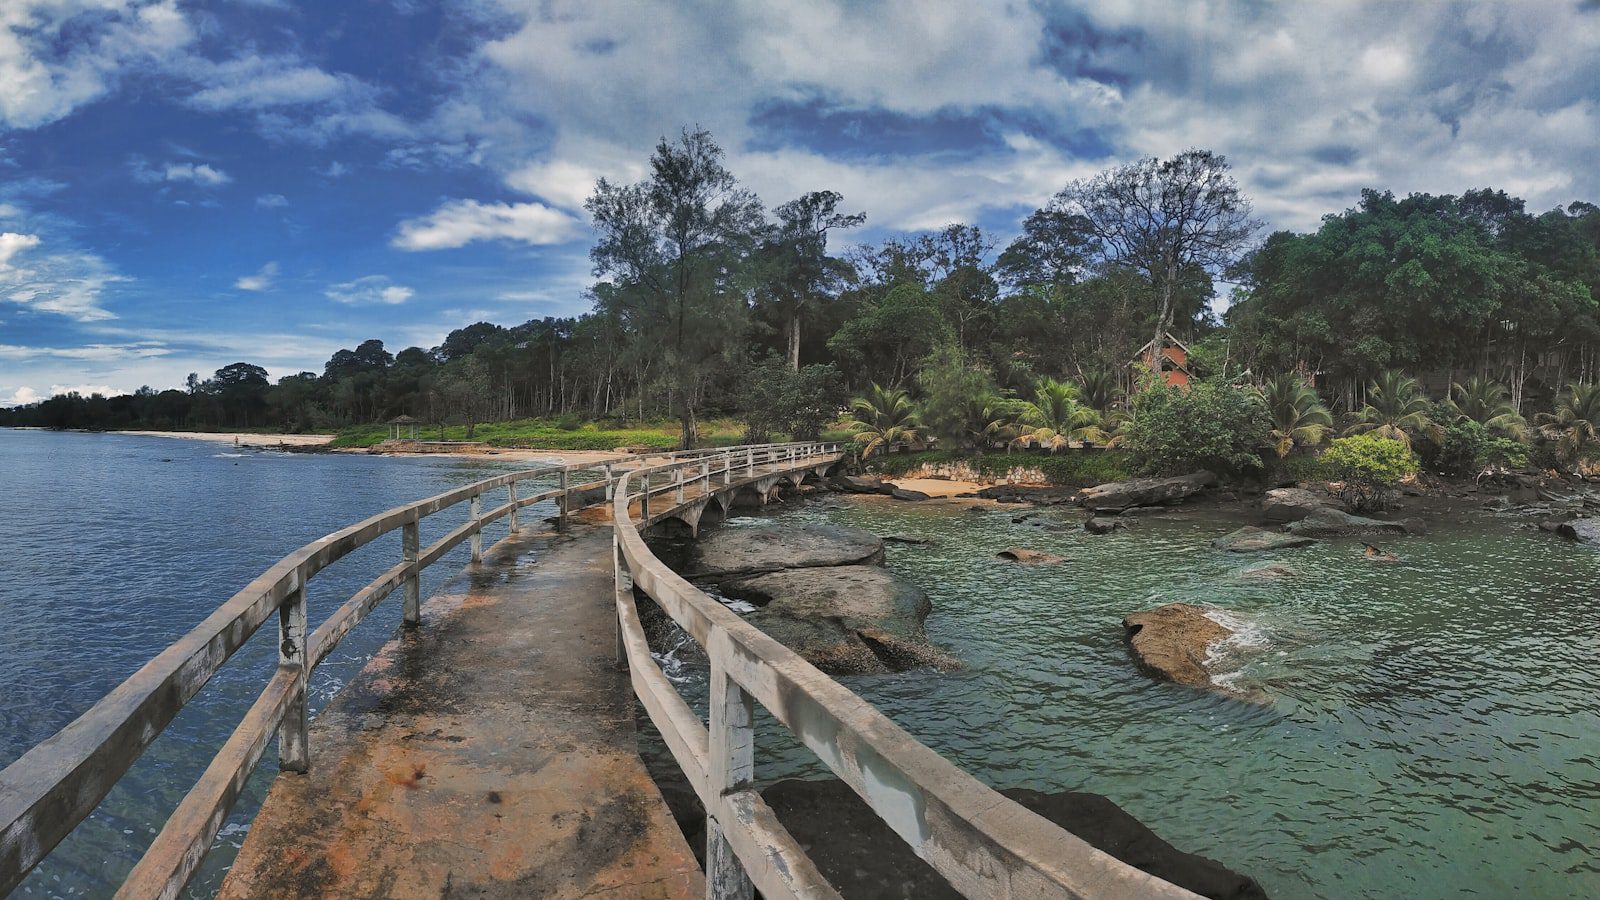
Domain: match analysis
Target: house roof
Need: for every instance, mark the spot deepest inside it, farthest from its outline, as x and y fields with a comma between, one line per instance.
x=403, y=420
x=1170, y=340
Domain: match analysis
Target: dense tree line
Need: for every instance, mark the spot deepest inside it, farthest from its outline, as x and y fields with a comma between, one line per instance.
x=706, y=303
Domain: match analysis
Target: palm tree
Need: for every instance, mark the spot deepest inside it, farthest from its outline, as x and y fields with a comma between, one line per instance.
x=884, y=416
x=985, y=422
x=1299, y=417
x=1098, y=389
x=1575, y=421
x=1487, y=402
x=1055, y=418
x=1397, y=409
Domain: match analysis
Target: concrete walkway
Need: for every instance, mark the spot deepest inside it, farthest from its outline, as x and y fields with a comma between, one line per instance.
x=489, y=753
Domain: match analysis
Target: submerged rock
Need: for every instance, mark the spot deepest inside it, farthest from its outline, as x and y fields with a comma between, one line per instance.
x=1290, y=504
x=1121, y=495
x=915, y=540
x=1030, y=557
x=1378, y=555
x=1334, y=523
x=730, y=552
x=1270, y=571
x=1584, y=531
x=1171, y=642
x=845, y=620
x=1039, y=495
x=1097, y=525
x=1251, y=539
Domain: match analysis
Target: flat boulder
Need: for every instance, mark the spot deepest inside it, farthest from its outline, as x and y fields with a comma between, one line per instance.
x=1584, y=531
x=1120, y=495
x=1290, y=504
x=1251, y=539
x=845, y=620
x=1326, y=522
x=735, y=552
x=914, y=540
x=1037, y=494
x=1030, y=557
x=852, y=484
x=1098, y=525
x=1171, y=642
x=900, y=493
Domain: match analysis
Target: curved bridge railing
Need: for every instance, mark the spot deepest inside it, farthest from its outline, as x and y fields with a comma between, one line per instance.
x=983, y=843
x=46, y=792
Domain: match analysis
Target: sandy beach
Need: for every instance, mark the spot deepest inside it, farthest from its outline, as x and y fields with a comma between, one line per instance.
x=936, y=487
x=241, y=439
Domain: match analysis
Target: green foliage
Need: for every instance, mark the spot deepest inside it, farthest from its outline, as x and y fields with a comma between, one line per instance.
x=776, y=399
x=1055, y=419
x=887, y=338
x=1397, y=409
x=1486, y=402
x=1298, y=416
x=961, y=405
x=1574, y=425
x=1369, y=465
x=1464, y=448
x=1099, y=389
x=548, y=434
x=883, y=418
x=1075, y=468
x=1209, y=425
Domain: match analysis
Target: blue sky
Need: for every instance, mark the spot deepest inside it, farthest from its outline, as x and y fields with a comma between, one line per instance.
x=187, y=185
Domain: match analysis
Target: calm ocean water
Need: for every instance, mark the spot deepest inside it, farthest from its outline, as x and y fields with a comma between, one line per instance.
x=114, y=546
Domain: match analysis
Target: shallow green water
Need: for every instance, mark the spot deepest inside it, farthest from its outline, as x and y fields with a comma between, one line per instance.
x=1433, y=729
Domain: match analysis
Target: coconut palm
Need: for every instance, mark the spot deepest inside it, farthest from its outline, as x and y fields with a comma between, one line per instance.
x=1299, y=417
x=1487, y=402
x=884, y=416
x=1397, y=409
x=1575, y=422
x=1055, y=418
x=985, y=421
x=1098, y=389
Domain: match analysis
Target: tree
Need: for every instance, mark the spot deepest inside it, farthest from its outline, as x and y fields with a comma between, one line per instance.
x=1212, y=424
x=882, y=418
x=1099, y=389
x=774, y=398
x=887, y=338
x=1574, y=423
x=682, y=235
x=1161, y=218
x=960, y=401
x=798, y=267
x=1055, y=419
x=464, y=389
x=1368, y=467
x=1397, y=409
x=1298, y=416
x=1486, y=402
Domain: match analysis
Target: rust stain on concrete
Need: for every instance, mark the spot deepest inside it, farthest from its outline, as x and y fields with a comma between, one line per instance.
x=490, y=753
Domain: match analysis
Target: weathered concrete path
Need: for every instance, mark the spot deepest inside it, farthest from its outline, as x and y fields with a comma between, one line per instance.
x=489, y=753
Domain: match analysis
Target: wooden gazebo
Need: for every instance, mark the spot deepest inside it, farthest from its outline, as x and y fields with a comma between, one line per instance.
x=397, y=422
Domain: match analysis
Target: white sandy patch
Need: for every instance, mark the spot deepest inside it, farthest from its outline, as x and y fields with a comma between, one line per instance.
x=241, y=439
x=936, y=487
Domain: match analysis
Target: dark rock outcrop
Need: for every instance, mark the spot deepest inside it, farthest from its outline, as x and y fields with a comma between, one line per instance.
x=1097, y=525
x=1171, y=642
x=861, y=857
x=1584, y=531
x=1039, y=495
x=732, y=552
x=845, y=620
x=1269, y=571
x=852, y=484
x=1121, y=495
x=914, y=540
x=1030, y=557
x=1290, y=504
x=900, y=493
x=1326, y=522
x=1251, y=539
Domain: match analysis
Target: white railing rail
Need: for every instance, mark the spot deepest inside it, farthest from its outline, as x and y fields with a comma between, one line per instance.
x=983, y=843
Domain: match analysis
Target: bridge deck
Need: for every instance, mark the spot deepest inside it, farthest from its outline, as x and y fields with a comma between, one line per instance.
x=490, y=752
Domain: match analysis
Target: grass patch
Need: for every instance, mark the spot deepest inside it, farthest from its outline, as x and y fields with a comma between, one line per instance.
x=562, y=433
x=1072, y=468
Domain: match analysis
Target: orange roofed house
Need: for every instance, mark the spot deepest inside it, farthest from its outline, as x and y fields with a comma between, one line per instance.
x=1174, y=361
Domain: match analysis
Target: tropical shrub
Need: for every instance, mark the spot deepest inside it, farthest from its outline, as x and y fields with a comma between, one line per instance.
x=1487, y=402
x=1368, y=467
x=1464, y=448
x=1098, y=389
x=1397, y=409
x=1574, y=424
x=776, y=398
x=1209, y=425
x=1055, y=419
x=1076, y=468
x=885, y=416
x=1298, y=416
x=961, y=405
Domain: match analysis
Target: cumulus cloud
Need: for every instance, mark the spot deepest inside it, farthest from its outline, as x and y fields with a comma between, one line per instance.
x=260, y=281
x=368, y=291
x=201, y=174
x=21, y=396
x=460, y=222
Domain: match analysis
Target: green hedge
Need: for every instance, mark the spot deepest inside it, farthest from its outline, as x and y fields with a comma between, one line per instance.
x=1071, y=468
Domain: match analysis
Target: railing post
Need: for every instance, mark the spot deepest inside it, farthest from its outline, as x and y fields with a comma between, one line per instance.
x=644, y=498
x=677, y=481
x=727, y=468
x=750, y=463
x=477, y=536
x=616, y=577
x=511, y=494
x=410, y=548
x=610, y=485
x=561, y=507
x=732, y=769
x=705, y=476
x=294, y=745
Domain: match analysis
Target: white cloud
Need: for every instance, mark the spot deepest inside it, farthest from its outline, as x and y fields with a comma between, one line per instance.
x=201, y=174
x=21, y=396
x=68, y=283
x=272, y=201
x=90, y=352
x=260, y=281
x=370, y=290
x=460, y=222
x=12, y=243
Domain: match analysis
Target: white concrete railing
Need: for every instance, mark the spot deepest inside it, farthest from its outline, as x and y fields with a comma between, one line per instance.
x=46, y=792
x=983, y=843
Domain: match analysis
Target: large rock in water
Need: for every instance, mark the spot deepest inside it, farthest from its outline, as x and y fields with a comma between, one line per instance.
x=845, y=620
x=1584, y=531
x=1251, y=539
x=1289, y=504
x=1172, y=641
x=1120, y=495
x=733, y=552
x=1333, y=523
x=860, y=856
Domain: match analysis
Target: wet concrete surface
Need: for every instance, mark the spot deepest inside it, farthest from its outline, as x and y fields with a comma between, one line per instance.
x=490, y=752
